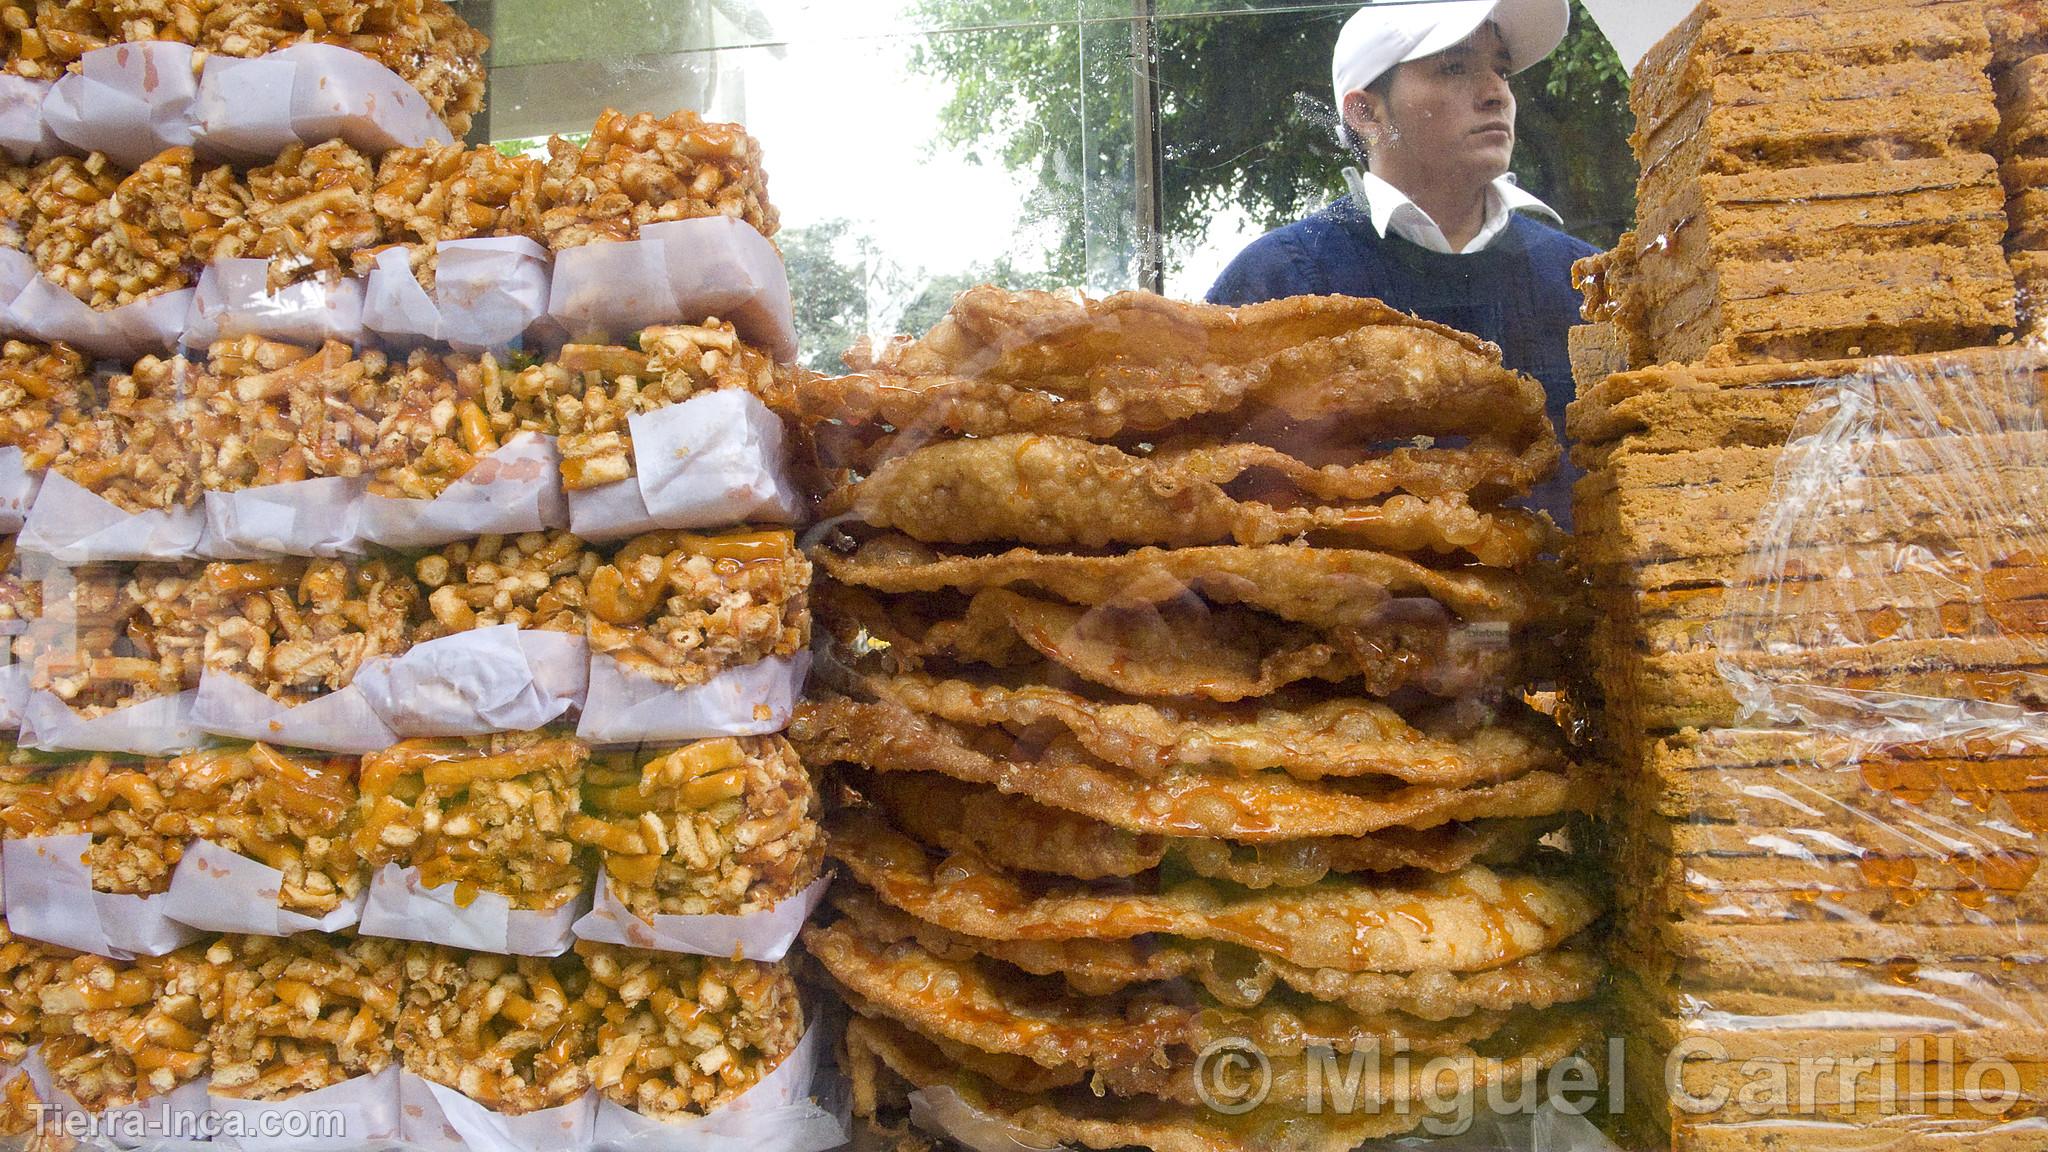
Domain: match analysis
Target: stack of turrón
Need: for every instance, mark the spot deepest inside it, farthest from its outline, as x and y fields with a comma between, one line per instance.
x=1174, y=701
x=1824, y=923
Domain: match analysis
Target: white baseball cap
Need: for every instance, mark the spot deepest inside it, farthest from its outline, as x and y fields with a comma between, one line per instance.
x=1387, y=33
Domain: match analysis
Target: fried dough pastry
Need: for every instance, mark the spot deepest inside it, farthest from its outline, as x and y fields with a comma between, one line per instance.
x=44, y=388
x=267, y=412
x=681, y=1035
x=489, y=814
x=593, y=390
x=1325, y=587
x=121, y=1031
x=718, y=827
x=1262, y=808
x=1003, y=362
x=303, y=1013
x=26, y=968
x=137, y=450
x=136, y=842
x=513, y=1033
x=536, y=580
x=679, y=607
x=1240, y=977
x=1050, y=491
x=298, y=629
x=290, y=810
x=885, y=1058
x=1020, y=834
x=1468, y=920
x=109, y=636
x=1451, y=746
x=426, y=195
x=639, y=170
x=1140, y=1043
x=312, y=206
x=423, y=41
x=112, y=237
x=442, y=413
x=1180, y=648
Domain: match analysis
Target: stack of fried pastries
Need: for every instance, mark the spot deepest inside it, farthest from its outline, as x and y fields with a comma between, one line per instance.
x=1174, y=691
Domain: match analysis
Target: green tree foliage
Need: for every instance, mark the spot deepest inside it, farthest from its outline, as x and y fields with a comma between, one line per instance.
x=1245, y=115
x=845, y=288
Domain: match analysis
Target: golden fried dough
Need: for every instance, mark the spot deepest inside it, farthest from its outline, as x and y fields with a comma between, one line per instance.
x=1326, y=587
x=1056, y=492
x=1180, y=648
x=1259, y=808
x=1240, y=977
x=1472, y=919
x=1450, y=746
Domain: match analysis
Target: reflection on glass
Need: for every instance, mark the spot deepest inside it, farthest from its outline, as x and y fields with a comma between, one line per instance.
x=917, y=147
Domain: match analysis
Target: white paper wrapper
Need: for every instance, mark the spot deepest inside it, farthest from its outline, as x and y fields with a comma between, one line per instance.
x=321, y=517
x=14, y=693
x=516, y=489
x=151, y=1123
x=50, y=313
x=159, y=727
x=234, y=299
x=402, y=908
x=217, y=889
x=713, y=460
x=18, y=487
x=17, y=271
x=441, y=1119
x=496, y=679
x=130, y=101
x=776, y=1115
x=23, y=134
x=765, y=935
x=487, y=293
x=50, y=898
x=340, y=721
x=624, y=707
x=75, y=526
x=364, y=1109
x=677, y=272
x=334, y=94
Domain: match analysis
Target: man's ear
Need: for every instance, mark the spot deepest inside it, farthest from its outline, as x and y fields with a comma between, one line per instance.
x=1365, y=114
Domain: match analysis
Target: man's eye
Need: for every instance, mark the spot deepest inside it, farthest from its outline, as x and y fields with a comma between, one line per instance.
x=1454, y=68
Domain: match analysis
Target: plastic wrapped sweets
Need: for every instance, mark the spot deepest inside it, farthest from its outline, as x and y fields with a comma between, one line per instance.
x=91, y=844
x=469, y=837
x=499, y=633
x=1830, y=755
x=425, y=47
x=643, y=1050
x=712, y=848
x=272, y=848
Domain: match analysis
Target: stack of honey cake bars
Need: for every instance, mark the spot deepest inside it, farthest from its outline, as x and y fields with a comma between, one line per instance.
x=1826, y=923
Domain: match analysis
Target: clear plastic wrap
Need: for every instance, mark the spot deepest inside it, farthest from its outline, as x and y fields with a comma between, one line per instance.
x=1832, y=752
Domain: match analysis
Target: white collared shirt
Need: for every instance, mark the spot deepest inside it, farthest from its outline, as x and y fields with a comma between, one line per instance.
x=1392, y=210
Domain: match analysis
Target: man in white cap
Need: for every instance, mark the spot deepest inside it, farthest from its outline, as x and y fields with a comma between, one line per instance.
x=1434, y=223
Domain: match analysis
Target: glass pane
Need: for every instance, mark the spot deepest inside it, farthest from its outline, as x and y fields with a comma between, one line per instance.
x=1248, y=149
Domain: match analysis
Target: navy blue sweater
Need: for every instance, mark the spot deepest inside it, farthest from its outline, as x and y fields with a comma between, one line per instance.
x=1517, y=293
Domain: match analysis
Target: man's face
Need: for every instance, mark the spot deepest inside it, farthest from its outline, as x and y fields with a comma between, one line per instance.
x=1452, y=114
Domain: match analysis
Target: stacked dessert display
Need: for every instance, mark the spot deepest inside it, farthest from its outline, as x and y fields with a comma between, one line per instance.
x=2019, y=72
x=1819, y=586
x=401, y=604
x=1173, y=693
